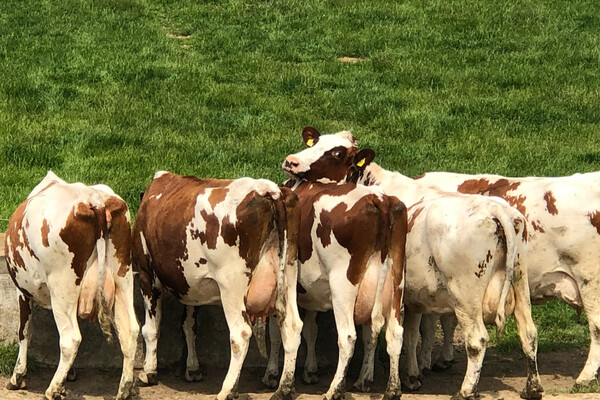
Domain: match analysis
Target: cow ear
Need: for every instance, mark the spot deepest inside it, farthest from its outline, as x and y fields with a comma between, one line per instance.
x=363, y=158
x=310, y=136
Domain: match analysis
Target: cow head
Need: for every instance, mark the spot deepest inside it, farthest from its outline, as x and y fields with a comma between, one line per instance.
x=327, y=157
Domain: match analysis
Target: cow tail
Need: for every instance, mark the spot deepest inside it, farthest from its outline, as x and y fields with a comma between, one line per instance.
x=105, y=315
x=396, y=253
x=510, y=236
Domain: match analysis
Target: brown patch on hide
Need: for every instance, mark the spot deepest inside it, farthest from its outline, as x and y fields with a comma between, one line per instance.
x=80, y=234
x=550, y=203
x=499, y=188
x=45, y=232
x=330, y=165
x=217, y=196
x=120, y=233
x=537, y=226
x=24, y=315
x=414, y=215
x=483, y=265
x=595, y=220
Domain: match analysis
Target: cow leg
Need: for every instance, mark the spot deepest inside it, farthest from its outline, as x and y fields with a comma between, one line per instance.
x=411, y=336
x=343, y=296
x=310, y=331
x=476, y=338
x=17, y=380
x=270, y=379
x=192, y=367
x=127, y=330
x=528, y=335
x=589, y=295
x=151, y=331
x=290, y=326
x=365, y=378
x=393, y=338
x=240, y=332
x=427, y=329
x=446, y=359
x=64, y=309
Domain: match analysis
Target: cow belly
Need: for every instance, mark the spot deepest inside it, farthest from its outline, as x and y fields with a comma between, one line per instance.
x=555, y=285
x=367, y=291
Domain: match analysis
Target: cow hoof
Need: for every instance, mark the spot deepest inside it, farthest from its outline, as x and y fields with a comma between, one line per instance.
x=193, y=376
x=426, y=371
x=336, y=396
x=310, y=377
x=283, y=394
x=442, y=366
x=533, y=392
x=236, y=395
x=413, y=384
x=271, y=380
x=145, y=379
x=59, y=394
x=127, y=391
x=395, y=394
x=21, y=384
x=71, y=375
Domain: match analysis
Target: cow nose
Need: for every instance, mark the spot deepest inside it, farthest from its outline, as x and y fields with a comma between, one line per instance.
x=291, y=163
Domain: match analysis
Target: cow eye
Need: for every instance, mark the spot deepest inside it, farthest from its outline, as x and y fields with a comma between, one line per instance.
x=337, y=154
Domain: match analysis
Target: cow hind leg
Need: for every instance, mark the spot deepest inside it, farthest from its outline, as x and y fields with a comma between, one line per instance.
x=427, y=330
x=65, y=315
x=365, y=377
x=17, y=380
x=271, y=377
x=343, y=296
x=589, y=295
x=446, y=358
x=151, y=333
x=127, y=331
x=310, y=331
x=239, y=337
x=476, y=339
x=290, y=326
x=393, y=338
x=192, y=367
x=411, y=337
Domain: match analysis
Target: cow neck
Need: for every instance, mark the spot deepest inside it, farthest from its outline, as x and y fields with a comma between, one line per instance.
x=394, y=183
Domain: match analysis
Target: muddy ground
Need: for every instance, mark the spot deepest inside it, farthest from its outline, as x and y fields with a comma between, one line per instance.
x=502, y=378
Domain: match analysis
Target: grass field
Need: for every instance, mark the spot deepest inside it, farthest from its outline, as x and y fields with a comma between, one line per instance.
x=112, y=91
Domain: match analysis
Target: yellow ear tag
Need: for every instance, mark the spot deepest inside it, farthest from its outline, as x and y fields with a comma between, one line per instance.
x=310, y=142
x=361, y=163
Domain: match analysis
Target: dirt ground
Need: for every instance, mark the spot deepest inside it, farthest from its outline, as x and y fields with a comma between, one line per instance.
x=502, y=379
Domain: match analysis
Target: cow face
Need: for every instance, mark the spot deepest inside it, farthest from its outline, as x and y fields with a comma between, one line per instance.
x=334, y=157
x=327, y=157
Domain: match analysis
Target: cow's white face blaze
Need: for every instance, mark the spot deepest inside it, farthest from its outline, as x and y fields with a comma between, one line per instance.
x=327, y=157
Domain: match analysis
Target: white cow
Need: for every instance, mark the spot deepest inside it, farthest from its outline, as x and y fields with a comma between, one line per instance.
x=351, y=253
x=464, y=254
x=68, y=248
x=563, y=221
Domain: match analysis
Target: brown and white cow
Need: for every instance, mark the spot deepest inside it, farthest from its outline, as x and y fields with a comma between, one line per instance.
x=210, y=241
x=563, y=216
x=351, y=253
x=464, y=254
x=68, y=248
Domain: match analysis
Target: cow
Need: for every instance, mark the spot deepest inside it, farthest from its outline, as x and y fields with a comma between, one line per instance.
x=563, y=224
x=210, y=241
x=351, y=257
x=464, y=254
x=68, y=248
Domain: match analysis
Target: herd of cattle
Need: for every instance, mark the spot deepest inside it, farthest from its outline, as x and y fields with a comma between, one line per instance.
x=337, y=236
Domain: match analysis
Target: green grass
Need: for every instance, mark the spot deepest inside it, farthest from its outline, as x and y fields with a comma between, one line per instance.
x=8, y=357
x=559, y=328
x=112, y=91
